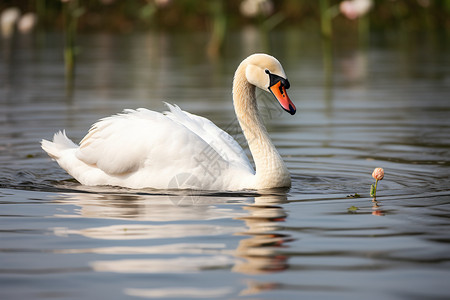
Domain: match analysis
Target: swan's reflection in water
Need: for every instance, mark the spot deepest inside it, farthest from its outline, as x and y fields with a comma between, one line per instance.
x=264, y=226
x=178, y=232
x=148, y=207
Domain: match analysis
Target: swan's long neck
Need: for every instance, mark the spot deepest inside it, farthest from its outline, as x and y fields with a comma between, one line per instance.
x=270, y=169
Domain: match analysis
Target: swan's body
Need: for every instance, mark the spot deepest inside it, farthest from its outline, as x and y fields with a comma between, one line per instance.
x=146, y=149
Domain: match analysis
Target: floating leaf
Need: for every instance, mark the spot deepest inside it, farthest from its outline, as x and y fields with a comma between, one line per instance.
x=352, y=209
x=355, y=195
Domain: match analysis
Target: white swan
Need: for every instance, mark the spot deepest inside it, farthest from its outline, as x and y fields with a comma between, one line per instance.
x=146, y=149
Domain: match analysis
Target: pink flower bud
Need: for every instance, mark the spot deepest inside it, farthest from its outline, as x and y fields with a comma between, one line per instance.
x=378, y=173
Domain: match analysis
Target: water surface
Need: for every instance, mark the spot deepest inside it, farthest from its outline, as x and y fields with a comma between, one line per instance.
x=384, y=105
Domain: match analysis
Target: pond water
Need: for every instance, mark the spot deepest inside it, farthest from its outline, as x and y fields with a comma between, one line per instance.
x=386, y=104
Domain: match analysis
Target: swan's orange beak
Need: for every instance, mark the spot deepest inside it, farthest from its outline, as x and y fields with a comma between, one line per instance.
x=279, y=92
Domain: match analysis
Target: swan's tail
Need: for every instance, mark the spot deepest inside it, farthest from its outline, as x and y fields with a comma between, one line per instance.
x=60, y=142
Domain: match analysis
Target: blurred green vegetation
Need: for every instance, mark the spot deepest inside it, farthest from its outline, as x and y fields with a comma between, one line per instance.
x=213, y=15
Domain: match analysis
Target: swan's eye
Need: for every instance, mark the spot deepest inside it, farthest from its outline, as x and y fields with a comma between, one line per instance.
x=267, y=71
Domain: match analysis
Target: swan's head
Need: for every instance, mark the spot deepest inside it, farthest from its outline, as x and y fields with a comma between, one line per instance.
x=266, y=72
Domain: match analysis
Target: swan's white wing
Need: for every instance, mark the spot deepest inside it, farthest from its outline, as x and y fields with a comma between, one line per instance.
x=219, y=140
x=130, y=141
x=141, y=148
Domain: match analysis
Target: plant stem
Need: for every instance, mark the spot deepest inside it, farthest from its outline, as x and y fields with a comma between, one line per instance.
x=219, y=25
x=71, y=14
x=325, y=19
x=375, y=188
x=363, y=30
